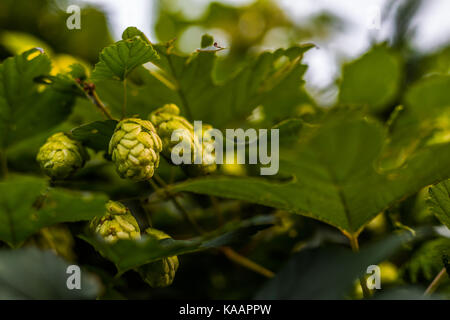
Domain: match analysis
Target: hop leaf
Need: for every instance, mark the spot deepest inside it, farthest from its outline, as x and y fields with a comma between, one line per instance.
x=61, y=156
x=167, y=120
x=160, y=273
x=135, y=149
x=117, y=223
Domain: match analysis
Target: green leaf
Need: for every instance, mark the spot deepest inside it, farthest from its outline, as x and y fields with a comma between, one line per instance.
x=439, y=202
x=25, y=110
x=95, y=135
x=406, y=293
x=372, y=81
x=119, y=59
x=32, y=274
x=328, y=273
x=31, y=205
x=424, y=118
x=127, y=254
x=336, y=178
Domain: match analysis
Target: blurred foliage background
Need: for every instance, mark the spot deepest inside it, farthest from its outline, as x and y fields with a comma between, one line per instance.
x=245, y=30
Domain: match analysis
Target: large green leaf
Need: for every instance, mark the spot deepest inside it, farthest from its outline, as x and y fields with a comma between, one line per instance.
x=24, y=109
x=336, y=178
x=327, y=273
x=439, y=202
x=32, y=274
x=131, y=254
x=30, y=205
x=372, y=80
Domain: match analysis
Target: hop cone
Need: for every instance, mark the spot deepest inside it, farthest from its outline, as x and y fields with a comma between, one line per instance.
x=117, y=223
x=166, y=120
x=135, y=149
x=160, y=273
x=61, y=156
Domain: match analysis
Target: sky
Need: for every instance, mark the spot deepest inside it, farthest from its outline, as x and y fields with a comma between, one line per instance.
x=433, y=25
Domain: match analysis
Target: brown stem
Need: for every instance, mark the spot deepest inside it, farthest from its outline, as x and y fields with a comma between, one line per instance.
x=436, y=282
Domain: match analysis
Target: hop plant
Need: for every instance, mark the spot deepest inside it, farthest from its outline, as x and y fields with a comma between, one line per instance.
x=166, y=120
x=160, y=273
x=61, y=156
x=117, y=223
x=135, y=148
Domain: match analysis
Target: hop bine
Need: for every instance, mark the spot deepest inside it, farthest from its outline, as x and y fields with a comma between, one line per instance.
x=167, y=120
x=61, y=156
x=117, y=223
x=160, y=273
x=135, y=148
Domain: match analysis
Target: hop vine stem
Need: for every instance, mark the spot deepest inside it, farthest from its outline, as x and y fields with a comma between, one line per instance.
x=227, y=251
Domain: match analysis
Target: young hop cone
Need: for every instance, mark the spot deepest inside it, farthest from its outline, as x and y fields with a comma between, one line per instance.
x=117, y=223
x=61, y=156
x=160, y=273
x=135, y=148
x=166, y=120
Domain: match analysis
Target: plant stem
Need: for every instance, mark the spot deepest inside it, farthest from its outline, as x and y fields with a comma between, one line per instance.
x=217, y=209
x=227, y=251
x=124, y=106
x=180, y=91
x=243, y=261
x=89, y=91
x=436, y=282
x=3, y=164
x=177, y=204
x=355, y=247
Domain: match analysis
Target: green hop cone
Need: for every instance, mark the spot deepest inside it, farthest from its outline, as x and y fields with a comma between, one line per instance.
x=135, y=148
x=61, y=156
x=117, y=223
x=166, y=120
x=160, y=273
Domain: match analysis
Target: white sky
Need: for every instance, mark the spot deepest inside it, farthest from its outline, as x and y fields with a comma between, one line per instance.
x=433, y=25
